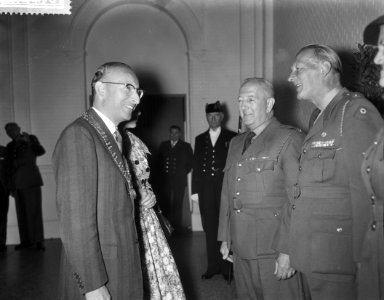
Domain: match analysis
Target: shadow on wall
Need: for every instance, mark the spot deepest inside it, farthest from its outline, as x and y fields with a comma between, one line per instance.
x=289, y=110
x=149, y=118
x=349, y=76
x=226, y=115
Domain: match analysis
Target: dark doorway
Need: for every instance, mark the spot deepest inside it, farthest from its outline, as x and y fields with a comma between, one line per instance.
x=158, y=113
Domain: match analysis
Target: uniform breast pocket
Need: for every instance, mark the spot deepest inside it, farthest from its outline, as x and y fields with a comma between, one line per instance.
x=323, y=163
x=262, y=172
x=331, y=244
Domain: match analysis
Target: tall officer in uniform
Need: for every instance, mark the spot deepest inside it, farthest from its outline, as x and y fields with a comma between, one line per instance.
x=330, y=213
x=211, y=148
x=176, y=158
x=371, y=272
x=261, y=168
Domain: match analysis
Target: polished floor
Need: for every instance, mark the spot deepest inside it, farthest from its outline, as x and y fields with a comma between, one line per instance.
x=32, y=275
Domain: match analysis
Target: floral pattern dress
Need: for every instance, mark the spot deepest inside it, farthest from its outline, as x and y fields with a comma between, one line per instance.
x=160, y=267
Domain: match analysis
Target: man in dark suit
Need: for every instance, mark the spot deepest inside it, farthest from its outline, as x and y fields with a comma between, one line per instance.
x=95, y=196
x=24, y=183
x=330, y=211
x=211, y=148
x=175, y=158
x=261, y=168
x=4, y=201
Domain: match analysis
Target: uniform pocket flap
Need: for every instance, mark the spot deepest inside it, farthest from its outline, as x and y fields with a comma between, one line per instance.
x=322, y=153
x=337, y=224
x=262, y=165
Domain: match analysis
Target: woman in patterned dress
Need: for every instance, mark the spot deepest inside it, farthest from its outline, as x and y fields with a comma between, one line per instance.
x=159, y=268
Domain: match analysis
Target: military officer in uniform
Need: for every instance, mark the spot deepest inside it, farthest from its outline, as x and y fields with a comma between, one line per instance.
x=176, y=158
x=330, y=211
x=261, y=168
x=371, y=271
x=211, y=148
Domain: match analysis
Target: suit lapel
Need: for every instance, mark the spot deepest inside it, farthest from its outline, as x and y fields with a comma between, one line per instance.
x=108, y=141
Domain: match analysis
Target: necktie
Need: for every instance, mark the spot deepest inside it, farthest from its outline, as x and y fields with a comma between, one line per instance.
x=248, y=140
x=118, y=139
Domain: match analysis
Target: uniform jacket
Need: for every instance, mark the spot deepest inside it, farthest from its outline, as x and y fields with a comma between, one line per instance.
x=208, y=160
x=22, y=171
x=176, y=162
x=330, y=210
x=256, y=189
x=371, y=283
x=373, y=174
x=96, y=213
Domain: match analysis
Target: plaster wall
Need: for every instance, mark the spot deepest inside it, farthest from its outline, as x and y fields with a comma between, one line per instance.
x=190, y=47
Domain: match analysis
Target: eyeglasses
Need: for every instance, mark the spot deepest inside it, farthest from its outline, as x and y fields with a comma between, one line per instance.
x=130, y=87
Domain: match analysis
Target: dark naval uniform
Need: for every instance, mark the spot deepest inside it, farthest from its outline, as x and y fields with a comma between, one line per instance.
x=256, y=189
x=175, y=164
x=207, y=178
x=371, y=272
x=330, y=211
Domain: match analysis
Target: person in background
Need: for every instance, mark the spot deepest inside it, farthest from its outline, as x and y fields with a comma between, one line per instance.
x=330, y=211
x=4, y=201
x=24, y=183
x=371, y=270
x=261, y=168
x=175, y=158
x=211, y=148
x=95, y=195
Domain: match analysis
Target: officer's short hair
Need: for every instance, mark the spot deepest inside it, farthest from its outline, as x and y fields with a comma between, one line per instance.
x=174, y=127
x=323, y=53
x=265, y=86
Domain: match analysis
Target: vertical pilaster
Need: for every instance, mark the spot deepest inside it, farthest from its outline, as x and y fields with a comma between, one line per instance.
x=20, y=72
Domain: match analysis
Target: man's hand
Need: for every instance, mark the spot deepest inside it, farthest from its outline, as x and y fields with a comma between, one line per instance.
x=224, y=250
x=283, y=270
x=148, y=199
x=100, y=294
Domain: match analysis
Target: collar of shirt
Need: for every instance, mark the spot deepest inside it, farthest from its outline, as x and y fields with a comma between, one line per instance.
x=327, y=99
x=329, y=96
x=173, y=143
x=214, y=134
x=111, y=127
